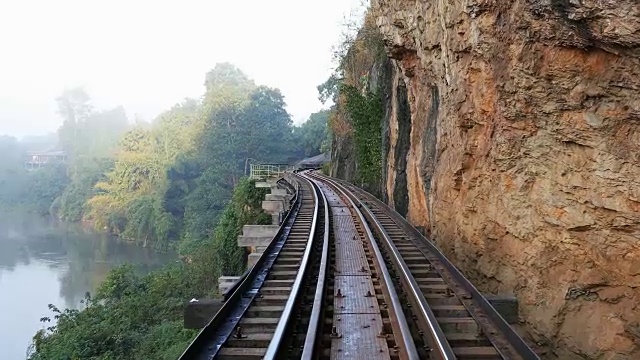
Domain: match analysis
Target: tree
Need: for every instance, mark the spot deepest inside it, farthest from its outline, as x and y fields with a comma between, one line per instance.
x=312, y=136
x=136, y=173
x=259, y=128
x=12, y=173
x=100, y=133
x=43, y=186
x=84, y=173
x=85, y=132
x=172, y=179
x=267, y=126
x=74, y=107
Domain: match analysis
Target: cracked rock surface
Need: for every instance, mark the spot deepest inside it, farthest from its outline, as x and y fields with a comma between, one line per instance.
x=517, y=124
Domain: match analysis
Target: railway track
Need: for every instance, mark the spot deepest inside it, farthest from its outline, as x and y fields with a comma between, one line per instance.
x=254, y=320
x=347, y=278
x=452, y=317
x=363, y=314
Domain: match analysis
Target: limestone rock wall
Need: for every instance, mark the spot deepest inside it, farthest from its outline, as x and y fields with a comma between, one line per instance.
x=513, y=135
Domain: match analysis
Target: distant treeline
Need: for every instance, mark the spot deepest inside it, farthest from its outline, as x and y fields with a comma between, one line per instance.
x=165, y=183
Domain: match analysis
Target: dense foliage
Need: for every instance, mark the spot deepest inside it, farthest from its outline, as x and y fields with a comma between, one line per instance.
x=87, y=136
x=175, y=183
x=366, y=114
x=140, y=317
x=83, y=173
x=163, y=184
x=86, y=132
x=313, y=136
x=170, y=182
x=131, y=317
x=19, y=189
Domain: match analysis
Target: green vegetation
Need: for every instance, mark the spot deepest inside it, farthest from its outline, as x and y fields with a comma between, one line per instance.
x=366, y=114
x=245, y=208
x=86, y=132
x=171, y=181
x=89, y=138
x=358, y=112
x=140, y=317
x=176, y=183
x=313, y=136
x=163, y=184
x=43, y=187
x=83, y=173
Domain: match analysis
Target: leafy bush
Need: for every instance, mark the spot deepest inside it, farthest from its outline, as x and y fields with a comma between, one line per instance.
x=140, y=317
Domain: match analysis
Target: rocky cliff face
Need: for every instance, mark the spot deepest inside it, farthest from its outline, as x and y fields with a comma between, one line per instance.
x=513, y=135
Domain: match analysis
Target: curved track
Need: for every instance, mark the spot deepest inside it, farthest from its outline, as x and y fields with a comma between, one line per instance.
x=452, y=317
x=346, y=277
x=253, y=322
x=363, y=314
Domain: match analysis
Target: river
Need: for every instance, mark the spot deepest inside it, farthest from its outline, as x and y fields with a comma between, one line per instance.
x=46, y=262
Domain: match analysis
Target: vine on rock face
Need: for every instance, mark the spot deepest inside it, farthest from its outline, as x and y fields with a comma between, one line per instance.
x=366, y=114
x=356, y=119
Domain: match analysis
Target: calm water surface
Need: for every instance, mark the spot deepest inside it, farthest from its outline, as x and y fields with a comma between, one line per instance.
x=45, y=262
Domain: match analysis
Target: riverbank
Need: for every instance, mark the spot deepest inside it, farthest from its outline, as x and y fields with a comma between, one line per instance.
x=139, y=316
x=60, y=263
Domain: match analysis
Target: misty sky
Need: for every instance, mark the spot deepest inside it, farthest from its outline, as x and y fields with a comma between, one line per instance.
x=148, y=55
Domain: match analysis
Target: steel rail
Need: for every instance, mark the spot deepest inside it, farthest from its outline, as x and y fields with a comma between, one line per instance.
x=203, y=339
x=519, y=347
x=285, y=319
x=437, y=338
x=405, y=337
x=315, y=320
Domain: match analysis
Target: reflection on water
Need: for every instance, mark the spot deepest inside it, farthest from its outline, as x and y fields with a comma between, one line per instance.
x=44, y=261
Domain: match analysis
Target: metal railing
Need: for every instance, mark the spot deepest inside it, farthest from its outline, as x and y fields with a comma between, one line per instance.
x=266, y=171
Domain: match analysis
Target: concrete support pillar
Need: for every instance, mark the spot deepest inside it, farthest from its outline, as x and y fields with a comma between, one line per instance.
x=267, y=183
x=278, y=191
x=225, y=282
x=253, y=258
x=197, y=313
x=257, y=235
x=256, y=238
x=273, y=206
x=276, y=197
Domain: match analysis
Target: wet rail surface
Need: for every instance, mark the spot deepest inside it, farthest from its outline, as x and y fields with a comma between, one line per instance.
x=449, y=315
x=348, y=278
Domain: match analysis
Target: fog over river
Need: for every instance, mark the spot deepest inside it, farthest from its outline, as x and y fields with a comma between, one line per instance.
x=43, y=261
